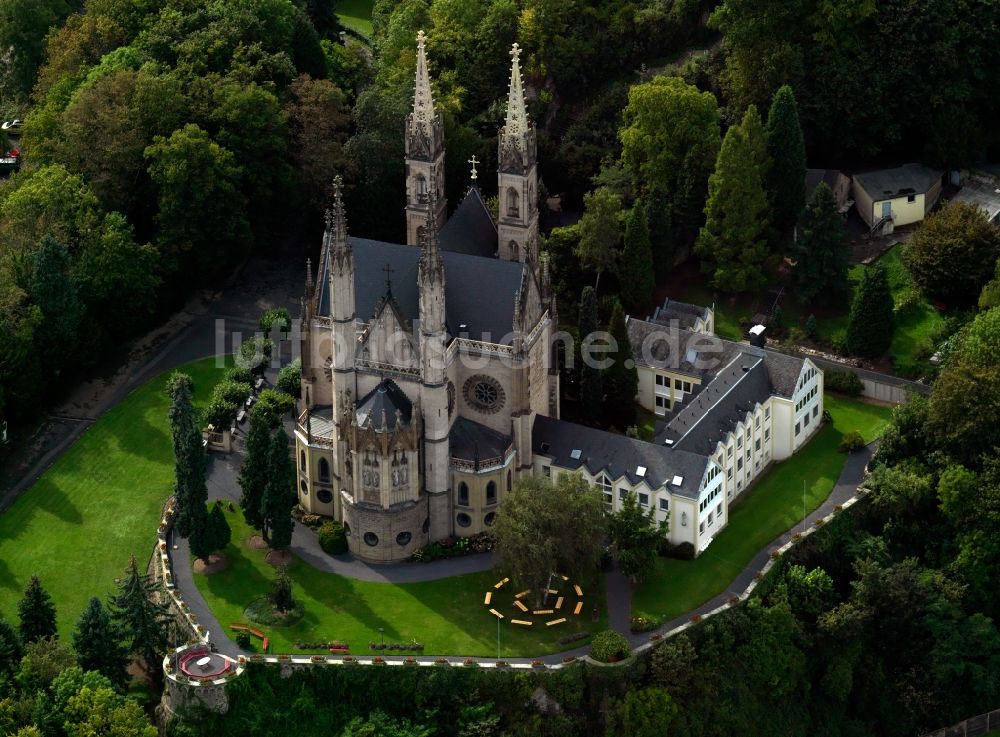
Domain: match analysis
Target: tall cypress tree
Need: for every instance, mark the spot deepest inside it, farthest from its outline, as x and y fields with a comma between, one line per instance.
x=213, y=535
x=190, y=490
x=753, y=126
x=733, y=241
x=276, y=506
x=591, y=389
x=53, y=290
x=822, y=250
x=98, y=644
x=621, y=379
x=635, y=268
x=871, y=324
x=253, y=474
x=36, y=613
x=145, y=621
x=786, y=181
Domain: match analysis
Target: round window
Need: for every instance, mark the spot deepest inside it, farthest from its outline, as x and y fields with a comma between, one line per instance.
x=463, y=519
x=324, y=496
x=403, y=539
x=427, y=525
x=484, y=393
x=489, y=518
x=371, y=539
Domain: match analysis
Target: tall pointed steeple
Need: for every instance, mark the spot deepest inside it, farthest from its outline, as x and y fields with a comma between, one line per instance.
x=517, y=175
x=424, y=153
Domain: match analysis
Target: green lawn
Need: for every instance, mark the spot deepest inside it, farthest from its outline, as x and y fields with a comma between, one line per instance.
x=97, y=504
x=356, y=15
x=448, y=615
x=771, y=507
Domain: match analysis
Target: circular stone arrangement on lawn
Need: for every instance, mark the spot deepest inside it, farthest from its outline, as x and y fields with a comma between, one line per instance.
x=560, y=601
x=262, y=611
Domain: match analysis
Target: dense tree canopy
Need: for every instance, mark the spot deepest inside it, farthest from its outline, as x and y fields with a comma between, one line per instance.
x=872, y=322
x=821, y=250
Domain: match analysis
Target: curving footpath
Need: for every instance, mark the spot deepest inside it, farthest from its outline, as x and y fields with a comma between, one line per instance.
x=223, y=473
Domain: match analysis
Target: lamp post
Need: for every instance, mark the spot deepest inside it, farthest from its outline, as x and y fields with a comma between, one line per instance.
x=381, y=635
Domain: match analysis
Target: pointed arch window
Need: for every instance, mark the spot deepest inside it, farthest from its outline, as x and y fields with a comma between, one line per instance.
x=421, y=187
x=491, y=492
x=463, y=494
x=513, y=203
x=324, y=471
x=515, y=251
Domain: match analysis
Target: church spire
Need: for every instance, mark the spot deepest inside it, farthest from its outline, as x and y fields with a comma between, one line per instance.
x=430, y=264
x=424, y=143
x=423, y=98
x=517, y=116
x=336, y=225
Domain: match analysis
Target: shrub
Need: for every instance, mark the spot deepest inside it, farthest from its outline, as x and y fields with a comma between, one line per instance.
x=254, y=355
x=575, y=637
x=609, y=646
x=643, y=624
x=277, y=318
x=683, y=551
x=838, y=341
x=219, y=413
x=315, y=521
x=237, y=374
x=332, y=538
x=907, y=301
x=290, y=378
x=274, y=404
x=845, y=382
x=851, y=442
x=243, y=640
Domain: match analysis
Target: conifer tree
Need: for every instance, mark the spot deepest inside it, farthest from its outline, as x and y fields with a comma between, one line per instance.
x=621, y=380
x=786, y=181
x=276, y=506
x=190, y=491
x=871, y=324
x=36, y=612
x=53, y=290
x=753, y=126
x=635, y=269
x=812, y=328
x=635, y=534
x=219, y=531
x=733, y=242
x=591, y=389
x=822, y=250
x=140, y=615
x=253, y=474
x=98, y=644
x=10, y=647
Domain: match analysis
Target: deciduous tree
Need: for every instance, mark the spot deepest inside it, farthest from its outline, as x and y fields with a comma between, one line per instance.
x=953, y=254
x=636, y=535
x=600, y=231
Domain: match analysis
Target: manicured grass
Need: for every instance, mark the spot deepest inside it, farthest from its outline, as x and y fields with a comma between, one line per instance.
x=356, y=15
x=448, y=616
x=774, y=505
x=96, y=505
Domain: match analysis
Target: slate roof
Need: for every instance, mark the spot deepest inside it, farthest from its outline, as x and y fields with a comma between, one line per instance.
x=706, y=419
x=907, y=179
x=378, y=408
x=470, y=229
x=479, y=292
x=320, y=423
x=685, y=314
x=470, y=441
x=696, y=354
x=815, y=176
x=617, y=455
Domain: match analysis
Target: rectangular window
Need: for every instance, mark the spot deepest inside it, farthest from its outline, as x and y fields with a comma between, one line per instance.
x=644, y=500
x=677, y=384
x=659, y=380
x=729, y=472
x=756, y=421
x=739, y=441
x=608, y=499
x=622, y=494
x=748, y=452
x=805, y=420
x=664, y=505
x=687, y=386
x=547, y=471
x=718, y=509
x=661, y=402
x=739, y=464
x=911, y=198
x=797, y=428
x=756, y=444
x=701, y=527
x=767, y=434
x=710, y=517
x=729, y=452
x=815, y=410
x=767, y=413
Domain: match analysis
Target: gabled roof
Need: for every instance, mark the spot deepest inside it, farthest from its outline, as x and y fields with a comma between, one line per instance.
x=889, y=183
x=470, y=229
x=706, y=419
x=685, y=314
x=576, y=446
x=470, y=441
x=379, y=407
x=479, y=292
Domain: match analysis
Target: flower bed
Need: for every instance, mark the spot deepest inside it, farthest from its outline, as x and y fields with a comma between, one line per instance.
x=454, y=547
x=411, y=646
x=643, y=624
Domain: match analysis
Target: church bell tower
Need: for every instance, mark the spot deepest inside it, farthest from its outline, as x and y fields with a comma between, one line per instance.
x=424, y=156
x=517, y=228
